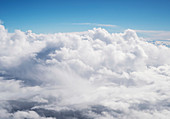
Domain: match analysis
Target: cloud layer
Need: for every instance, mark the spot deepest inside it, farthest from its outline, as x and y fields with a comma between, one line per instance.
x=89, y=75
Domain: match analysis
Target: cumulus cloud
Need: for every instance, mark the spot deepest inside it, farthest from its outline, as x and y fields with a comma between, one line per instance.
x=93, y=74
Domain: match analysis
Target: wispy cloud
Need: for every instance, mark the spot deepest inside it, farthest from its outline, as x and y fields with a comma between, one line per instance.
x=157, y=35
x=1, y=22
x=95, y=24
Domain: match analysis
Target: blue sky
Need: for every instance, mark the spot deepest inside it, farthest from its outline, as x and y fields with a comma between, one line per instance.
x=49, y=16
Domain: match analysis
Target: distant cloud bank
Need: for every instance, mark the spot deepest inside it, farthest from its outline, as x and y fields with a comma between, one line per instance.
x=89, y=75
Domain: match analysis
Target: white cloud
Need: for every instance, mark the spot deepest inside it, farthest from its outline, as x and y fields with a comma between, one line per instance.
x=28, y=114
x=92, y=74
x=95, y=24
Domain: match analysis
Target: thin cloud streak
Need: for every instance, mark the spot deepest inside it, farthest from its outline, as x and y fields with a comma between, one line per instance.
x=160, y=35
x=151, y=31
x=95, y=24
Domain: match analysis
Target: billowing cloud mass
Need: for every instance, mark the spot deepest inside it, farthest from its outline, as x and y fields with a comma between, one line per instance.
x=85, y=75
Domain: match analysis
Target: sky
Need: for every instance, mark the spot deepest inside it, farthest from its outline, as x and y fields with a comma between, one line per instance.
x=50, y=16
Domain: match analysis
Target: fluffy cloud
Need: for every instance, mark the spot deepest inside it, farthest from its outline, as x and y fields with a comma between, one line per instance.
x=92, y=74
